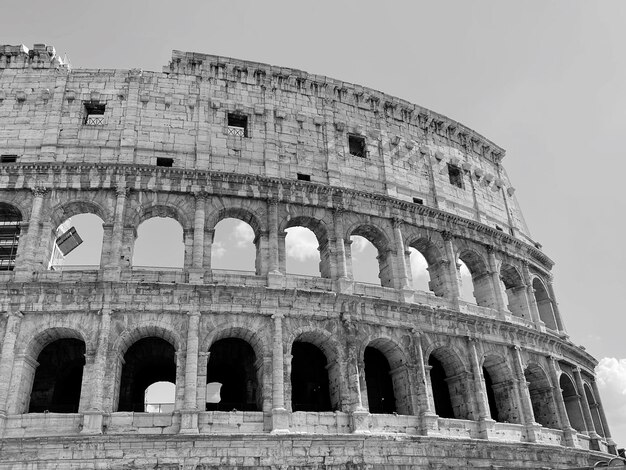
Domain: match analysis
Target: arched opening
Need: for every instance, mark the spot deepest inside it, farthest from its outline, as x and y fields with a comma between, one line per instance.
x=380, y=395
x=544, y=305
x=480, y=279
x=594, y=408
x=450, y=385
x=441, y=392
x=572, y=403
x=302, y=252
x=515, y=290
x=309, y=378
x=499, y=387
x=77, y=243
x=232, y=365
x=160, y=397
x=147, y=361
x=159, y=244
x=58, y=378
x=541, y=397
x=465, y=283
x=10, y=227
x=234, y=247
x=364, y=260
x=420, y=277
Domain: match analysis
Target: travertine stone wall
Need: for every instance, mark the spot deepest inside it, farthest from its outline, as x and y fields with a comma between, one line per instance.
x=505, y=358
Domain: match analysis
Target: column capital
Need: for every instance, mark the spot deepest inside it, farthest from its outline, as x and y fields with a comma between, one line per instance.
x=200, y=195
x=339, y=210
x=272, y=201
x=397, y=222
x=17, y=314
x=122, y=190
x=39, y=191
x=278, y=316
x=447, y=235
x=194, y=312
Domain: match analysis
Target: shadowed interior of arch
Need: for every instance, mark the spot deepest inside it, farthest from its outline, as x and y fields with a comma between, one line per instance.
x=310, y=389
x=233, y=247
x=541, y=396
x=232, y=363
x=160, y=397
x=58, y=378
x=159, y=244
x=88, y=253
x=441, y=392
x=572, y=403
x=380, y=393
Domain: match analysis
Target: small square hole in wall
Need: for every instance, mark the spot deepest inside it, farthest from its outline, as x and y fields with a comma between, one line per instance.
x=499, y=228
x=303, y=177
x=161, y=161
x=8, y=158
x=418, y=200
x=455, y=175
x=356, y=145
x=94, y=113
x=237, y=125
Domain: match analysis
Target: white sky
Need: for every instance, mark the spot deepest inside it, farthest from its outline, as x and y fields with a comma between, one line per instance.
x=543, y=79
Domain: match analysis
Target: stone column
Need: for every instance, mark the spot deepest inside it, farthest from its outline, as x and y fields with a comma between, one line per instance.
x=555, y=308
x=495, y=280
x=7, y=359
x=454, y=291
x=402, y=281
x=198, y=232
x=340, y=258
x=528, y=415
x=584, y=403
x=530, y=295
x=569, y=433
x=485, y=422
x=273, y=261
x=359, y=416
x=429, y=421
x=115, y=263
x=605, y=425
x=280, y=418
x=189, y=413
x=30, y=259
x=93, y=415
x=208, y=245
x=203, y=362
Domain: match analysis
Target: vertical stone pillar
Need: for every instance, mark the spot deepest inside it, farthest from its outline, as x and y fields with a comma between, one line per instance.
x=359, y=416
x=93, y=415
x=454, y=291
x=115, y=263
x=273, y=261
x=605, y=425
x=340, y=257
x=584, y=403
x=129, y=133
x=528, y=415
x=282, y=252
x=7, y=359
x=189, y=413
x=32, y=248
x=429, y=421
x=555, y=308
x=198, y=232
x=569, y=433
x=208, y=245
x=402, y=281
x=280, y=418
x=485, y=422
x=500, y=296
x=530, y=295
x=53, y=114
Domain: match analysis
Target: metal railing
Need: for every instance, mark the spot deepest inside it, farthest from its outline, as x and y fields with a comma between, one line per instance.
x=94, y=121
x=236, y=131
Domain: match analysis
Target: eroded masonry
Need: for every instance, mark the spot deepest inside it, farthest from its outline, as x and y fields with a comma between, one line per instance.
x=315, y=372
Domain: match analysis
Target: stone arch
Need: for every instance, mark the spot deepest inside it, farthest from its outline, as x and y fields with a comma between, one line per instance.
x=515, y=290
x=159, y=209
x=45, y=337
x=594, y=408
x=541, y=396
x=382, y=242
x=327, y=378
x=544, y=303
x=252, y=218
x=386, y=377
x=64, y=210
x=439, y=282
x=571, y=398
x=228, y=330
x=156, y=329
x=449, y=381
x=481, y=280
x=499, y=384
x=320, y=230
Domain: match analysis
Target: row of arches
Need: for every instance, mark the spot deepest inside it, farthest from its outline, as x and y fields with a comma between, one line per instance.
x=235, y=363
x=259, y=239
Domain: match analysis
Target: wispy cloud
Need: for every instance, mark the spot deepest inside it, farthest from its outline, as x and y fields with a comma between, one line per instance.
x=243, y=234
x=301, y=244
x=611, y=374
x=217, y=250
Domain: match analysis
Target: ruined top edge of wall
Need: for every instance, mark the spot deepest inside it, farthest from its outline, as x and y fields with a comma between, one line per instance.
x=227, y=68
x=40, y=56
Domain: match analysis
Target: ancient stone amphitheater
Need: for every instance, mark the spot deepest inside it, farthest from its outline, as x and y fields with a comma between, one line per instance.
x=317, y=372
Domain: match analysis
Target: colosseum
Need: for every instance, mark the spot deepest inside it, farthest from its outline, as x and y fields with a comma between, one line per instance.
x=317, y=372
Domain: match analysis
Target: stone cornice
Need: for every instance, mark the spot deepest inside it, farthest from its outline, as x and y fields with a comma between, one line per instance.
x=190, y=180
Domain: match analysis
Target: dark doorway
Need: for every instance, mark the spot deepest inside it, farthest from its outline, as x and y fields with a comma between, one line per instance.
x=309, y=378
x=59, y=376
x=491, y=396
x=441, y=392
x=232, y=363
x=380, y=394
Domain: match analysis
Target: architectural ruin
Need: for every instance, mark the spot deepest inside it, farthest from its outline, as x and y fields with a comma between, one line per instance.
x=315, y=372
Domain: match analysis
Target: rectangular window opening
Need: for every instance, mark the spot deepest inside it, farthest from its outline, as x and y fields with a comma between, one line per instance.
x=237, y=125
x=356, y=145
x=303, y=177
x=455, y=175
x=161, y=161
x=8, y=158
x=418, y=200
x=94, y=113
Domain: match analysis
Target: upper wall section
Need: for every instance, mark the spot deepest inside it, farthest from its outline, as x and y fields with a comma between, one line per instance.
x=295, y=125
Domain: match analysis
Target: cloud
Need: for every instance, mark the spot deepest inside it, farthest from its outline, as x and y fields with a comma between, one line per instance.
x=611, y=376
x=217, y=250
x=243, y=234
x=359, y=244
x=301, y=244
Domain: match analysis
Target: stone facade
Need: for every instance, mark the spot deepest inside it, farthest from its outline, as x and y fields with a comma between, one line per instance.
x=486, y=385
